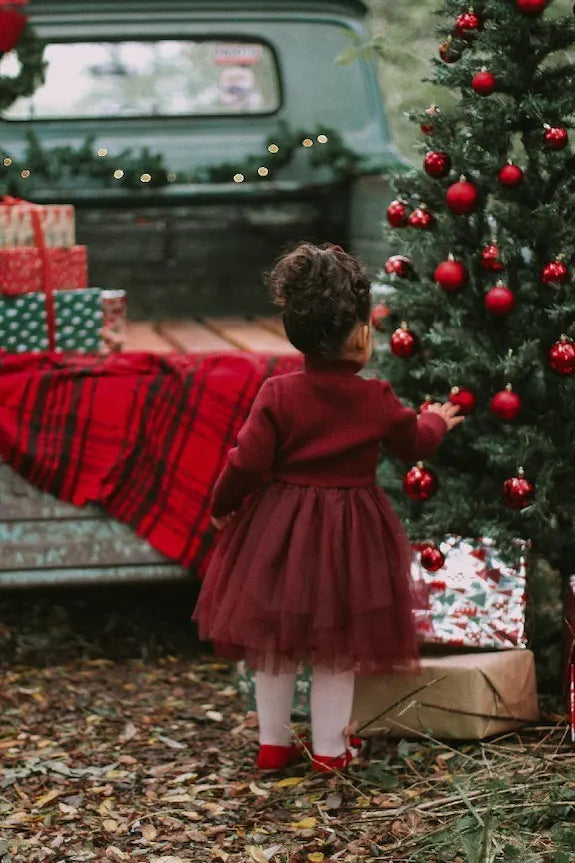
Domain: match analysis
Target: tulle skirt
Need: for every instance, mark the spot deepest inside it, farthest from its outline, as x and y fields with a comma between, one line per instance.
x=312, y=575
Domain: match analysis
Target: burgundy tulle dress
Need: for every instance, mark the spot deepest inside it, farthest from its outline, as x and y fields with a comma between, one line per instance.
x=314, y=566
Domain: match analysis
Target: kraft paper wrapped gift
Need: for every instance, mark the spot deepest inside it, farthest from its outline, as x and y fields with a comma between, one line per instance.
x=467, y=696
x=57, y=221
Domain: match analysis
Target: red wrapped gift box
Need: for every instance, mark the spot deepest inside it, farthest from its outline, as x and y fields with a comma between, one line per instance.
x=21, y=269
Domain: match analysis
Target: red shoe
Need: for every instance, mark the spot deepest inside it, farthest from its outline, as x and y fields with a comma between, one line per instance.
x=331, y=763
x=272, y=757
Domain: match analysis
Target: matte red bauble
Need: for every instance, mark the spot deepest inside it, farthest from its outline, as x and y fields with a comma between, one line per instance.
x=505, y=405
x=424, y=406
x=378, y=315
x=484, y=83
x=464, y=398
x=399, y=265
x=437, y=164
x=490, y=259
x=403, y=342
x=421, y=218
x=511, y=175
x=420, y=483
x=431, y=558
x=397, y=214
x=531, y=7
x=562, y=356
x=499, y=301
x=467, y=24
x=451, y=275
x=555, y=273
x=447, y=52
x=555, y=137
x=518, y=492
x=462, y=197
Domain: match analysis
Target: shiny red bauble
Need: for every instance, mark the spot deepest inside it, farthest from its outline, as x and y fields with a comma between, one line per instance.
x=490, y=259
x=555, y=273
x=518, y=491
x=562, y=356
x=511, y=175
x=378, y=315
x=451, y=275
x=421, y=218
x=484, y=82
x=431, y=558
x=466, y=400
x=505, y=405
x=420, y=483
x=531, y=7
x=467, y=24
x=437, y=164
x=555, y=137
x=447, y=52
x=462, y=197
x=397, y=214
x=399, y=265
x=403, y=342
x=499, y=301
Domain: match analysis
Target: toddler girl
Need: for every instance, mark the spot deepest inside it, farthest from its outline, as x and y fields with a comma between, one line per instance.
x=313, y=565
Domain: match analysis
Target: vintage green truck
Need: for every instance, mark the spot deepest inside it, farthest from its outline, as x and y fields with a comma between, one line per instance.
x=214, y=87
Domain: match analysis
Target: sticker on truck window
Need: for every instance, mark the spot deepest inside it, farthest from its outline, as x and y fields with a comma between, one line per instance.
x=163, y=78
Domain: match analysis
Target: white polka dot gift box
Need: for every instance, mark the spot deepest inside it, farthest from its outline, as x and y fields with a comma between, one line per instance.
x=78, y=322
x=474, y=598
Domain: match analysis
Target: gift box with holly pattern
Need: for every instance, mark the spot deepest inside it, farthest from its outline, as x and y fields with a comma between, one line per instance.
x=78, y=322
x=474, y=598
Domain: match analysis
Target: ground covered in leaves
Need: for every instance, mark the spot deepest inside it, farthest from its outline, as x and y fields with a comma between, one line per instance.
x=121, y=741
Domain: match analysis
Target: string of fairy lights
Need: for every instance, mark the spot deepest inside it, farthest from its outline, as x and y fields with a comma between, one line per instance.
x=263, y=171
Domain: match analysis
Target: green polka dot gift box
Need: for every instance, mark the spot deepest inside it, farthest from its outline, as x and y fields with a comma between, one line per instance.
x=78, y=322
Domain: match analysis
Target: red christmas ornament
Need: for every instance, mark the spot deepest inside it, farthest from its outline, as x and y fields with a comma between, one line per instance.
x=467, y=24
x=464, y=398
x=531, y=7
x=399, y=265
x=424, y=406
x=511, y=175
x=562, y=356
x=12, y=25
x=420, y=483
x=431, y=558
x=462, y=197
x=421, y=218
x=555, y=136
x=427, y=127
x=403, y=342
x=484, y=82
x=555, y=273
x=490, y=258
x=451, y=275
x=378, y=315
x=499, y=301
x=447, y=52
x=437, y=164
x=505, y=405
x=397, y=214
x=518, y=492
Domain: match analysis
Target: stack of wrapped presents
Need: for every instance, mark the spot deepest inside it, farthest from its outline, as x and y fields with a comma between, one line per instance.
x=45, y=301
x=477, y=674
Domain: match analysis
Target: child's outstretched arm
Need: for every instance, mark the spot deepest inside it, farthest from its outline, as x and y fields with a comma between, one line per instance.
x=410, y=436
x=252, y=457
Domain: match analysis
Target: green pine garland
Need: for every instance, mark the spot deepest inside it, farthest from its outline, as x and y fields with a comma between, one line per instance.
x=30, y=54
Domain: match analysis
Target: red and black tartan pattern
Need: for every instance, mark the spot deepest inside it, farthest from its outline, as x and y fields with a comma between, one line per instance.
x=143, y=435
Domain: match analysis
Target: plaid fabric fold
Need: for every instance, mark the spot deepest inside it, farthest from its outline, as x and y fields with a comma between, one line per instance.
x=142, y=435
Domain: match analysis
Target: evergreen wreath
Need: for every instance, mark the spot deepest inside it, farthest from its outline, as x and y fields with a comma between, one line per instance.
x=30, y=54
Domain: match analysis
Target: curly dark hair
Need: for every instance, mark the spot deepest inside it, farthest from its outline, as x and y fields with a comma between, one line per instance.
x=323, y=293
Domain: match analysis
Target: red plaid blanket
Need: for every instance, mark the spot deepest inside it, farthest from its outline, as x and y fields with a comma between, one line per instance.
x=142, y=435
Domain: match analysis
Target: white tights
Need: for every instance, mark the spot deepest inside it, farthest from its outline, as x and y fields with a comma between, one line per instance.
x=331, y=704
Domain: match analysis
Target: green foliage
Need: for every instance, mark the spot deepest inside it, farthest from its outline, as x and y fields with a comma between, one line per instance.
x=30, y=54
x=459, y=342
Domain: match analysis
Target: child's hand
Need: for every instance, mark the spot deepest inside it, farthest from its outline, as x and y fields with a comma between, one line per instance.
x=220, y=523
x=448, y=412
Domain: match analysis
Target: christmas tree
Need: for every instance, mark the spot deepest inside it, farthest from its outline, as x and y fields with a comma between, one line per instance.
x=483, y=306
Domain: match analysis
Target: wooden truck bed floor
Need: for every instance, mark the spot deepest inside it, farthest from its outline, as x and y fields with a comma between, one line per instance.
x=259, y=335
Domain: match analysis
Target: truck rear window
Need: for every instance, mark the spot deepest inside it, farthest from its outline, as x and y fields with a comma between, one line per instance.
x=164, y=78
